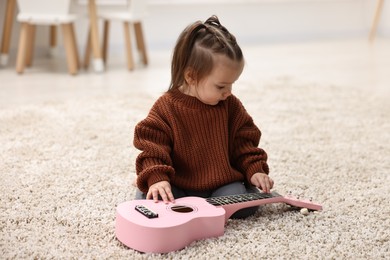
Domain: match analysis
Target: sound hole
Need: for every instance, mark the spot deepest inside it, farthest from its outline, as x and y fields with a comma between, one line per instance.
x=182, y=209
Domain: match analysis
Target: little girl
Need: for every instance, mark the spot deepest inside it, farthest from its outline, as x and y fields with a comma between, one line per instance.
x=198, y=139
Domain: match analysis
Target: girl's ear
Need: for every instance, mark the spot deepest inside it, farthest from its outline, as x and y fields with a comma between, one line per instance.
x=189, y=76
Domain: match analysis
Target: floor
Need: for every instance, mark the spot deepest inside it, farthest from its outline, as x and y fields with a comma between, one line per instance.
x=352, y=63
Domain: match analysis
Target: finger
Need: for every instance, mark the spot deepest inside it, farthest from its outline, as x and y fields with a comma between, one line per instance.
x=163, y=195
x=155, y=195
x=269, y=183
x=166, y=195
x=272, y=183
x=170, y=195
x=265, y=185
x=268, y=187
x=149, y=195
x=256, y=182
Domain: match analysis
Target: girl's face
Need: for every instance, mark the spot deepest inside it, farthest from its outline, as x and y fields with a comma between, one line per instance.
x=217, y=86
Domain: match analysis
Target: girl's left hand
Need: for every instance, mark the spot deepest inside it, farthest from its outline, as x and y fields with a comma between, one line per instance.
x=262, y=181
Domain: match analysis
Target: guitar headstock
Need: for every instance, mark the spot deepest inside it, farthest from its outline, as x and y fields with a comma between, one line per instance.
x=301, y=203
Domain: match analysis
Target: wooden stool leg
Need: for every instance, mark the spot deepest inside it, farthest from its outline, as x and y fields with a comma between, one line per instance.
x=74, y=44
x=53, y=39
x=88, y=50
x=21, y=57
x=375, y=22
x=105, y=40
x=70, y=49
x=130, y=62
x=97, y=54
x=7, y=29
x=141, y=42
x=31, y=44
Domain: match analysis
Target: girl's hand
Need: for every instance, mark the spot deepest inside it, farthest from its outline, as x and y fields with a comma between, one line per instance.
x=162, y=188
x=262, y=181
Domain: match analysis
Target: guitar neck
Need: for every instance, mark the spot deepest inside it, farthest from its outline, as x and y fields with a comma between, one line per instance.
x=241, y=199
x=232, y=203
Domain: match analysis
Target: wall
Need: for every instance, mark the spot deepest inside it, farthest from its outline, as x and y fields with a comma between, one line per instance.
x=262, y=21
x=252, y=21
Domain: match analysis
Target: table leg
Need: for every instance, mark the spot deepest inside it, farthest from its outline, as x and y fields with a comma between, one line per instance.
x=6, y=39
x=53, y=40
x=375, y=22
x=97, y=52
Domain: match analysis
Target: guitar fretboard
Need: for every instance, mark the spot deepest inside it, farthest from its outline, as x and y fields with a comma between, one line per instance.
x=240, y=198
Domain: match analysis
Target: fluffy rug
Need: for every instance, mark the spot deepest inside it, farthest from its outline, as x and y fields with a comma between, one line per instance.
x=65, y=166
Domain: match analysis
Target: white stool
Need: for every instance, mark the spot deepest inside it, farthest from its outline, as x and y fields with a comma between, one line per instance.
x=132, y=12
x=42, y=12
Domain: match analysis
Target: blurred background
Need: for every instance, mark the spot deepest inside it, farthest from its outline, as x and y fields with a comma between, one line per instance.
x=341, y=41
x=253, y=21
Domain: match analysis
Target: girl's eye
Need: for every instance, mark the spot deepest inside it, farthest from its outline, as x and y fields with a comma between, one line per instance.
x=220, y=87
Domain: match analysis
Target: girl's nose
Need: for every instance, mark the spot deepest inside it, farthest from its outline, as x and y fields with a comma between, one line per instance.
x=228, y=92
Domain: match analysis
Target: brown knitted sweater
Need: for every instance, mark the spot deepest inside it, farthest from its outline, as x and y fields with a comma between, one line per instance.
x=196, y=146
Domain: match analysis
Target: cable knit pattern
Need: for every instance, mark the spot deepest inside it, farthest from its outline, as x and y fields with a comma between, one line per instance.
x=196, y=146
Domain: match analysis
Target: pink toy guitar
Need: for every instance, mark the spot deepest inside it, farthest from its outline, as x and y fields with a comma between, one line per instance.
x=152, y=227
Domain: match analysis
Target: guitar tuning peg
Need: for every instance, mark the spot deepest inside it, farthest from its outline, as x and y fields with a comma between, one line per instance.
x=304, y=211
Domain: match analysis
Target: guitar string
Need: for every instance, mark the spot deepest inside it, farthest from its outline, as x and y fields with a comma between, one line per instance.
x=225, y=200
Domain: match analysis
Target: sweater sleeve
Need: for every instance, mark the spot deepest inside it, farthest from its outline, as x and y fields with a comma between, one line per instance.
x=153, y=137
x=247, y=157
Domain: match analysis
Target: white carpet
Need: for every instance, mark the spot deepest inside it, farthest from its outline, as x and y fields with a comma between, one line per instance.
x=65, y=166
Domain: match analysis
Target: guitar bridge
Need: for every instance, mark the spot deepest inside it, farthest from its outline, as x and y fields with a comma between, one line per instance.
x=146, y=212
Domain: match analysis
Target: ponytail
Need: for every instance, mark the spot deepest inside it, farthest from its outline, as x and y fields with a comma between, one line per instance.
x=196, y=46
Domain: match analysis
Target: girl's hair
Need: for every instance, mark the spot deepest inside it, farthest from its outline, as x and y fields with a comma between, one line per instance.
x=195, y=48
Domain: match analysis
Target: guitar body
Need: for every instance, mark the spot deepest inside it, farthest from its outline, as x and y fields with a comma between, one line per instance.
x=147, y=226
x=173, y=229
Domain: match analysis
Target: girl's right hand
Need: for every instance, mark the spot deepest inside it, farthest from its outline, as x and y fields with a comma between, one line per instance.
x=162, y=188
